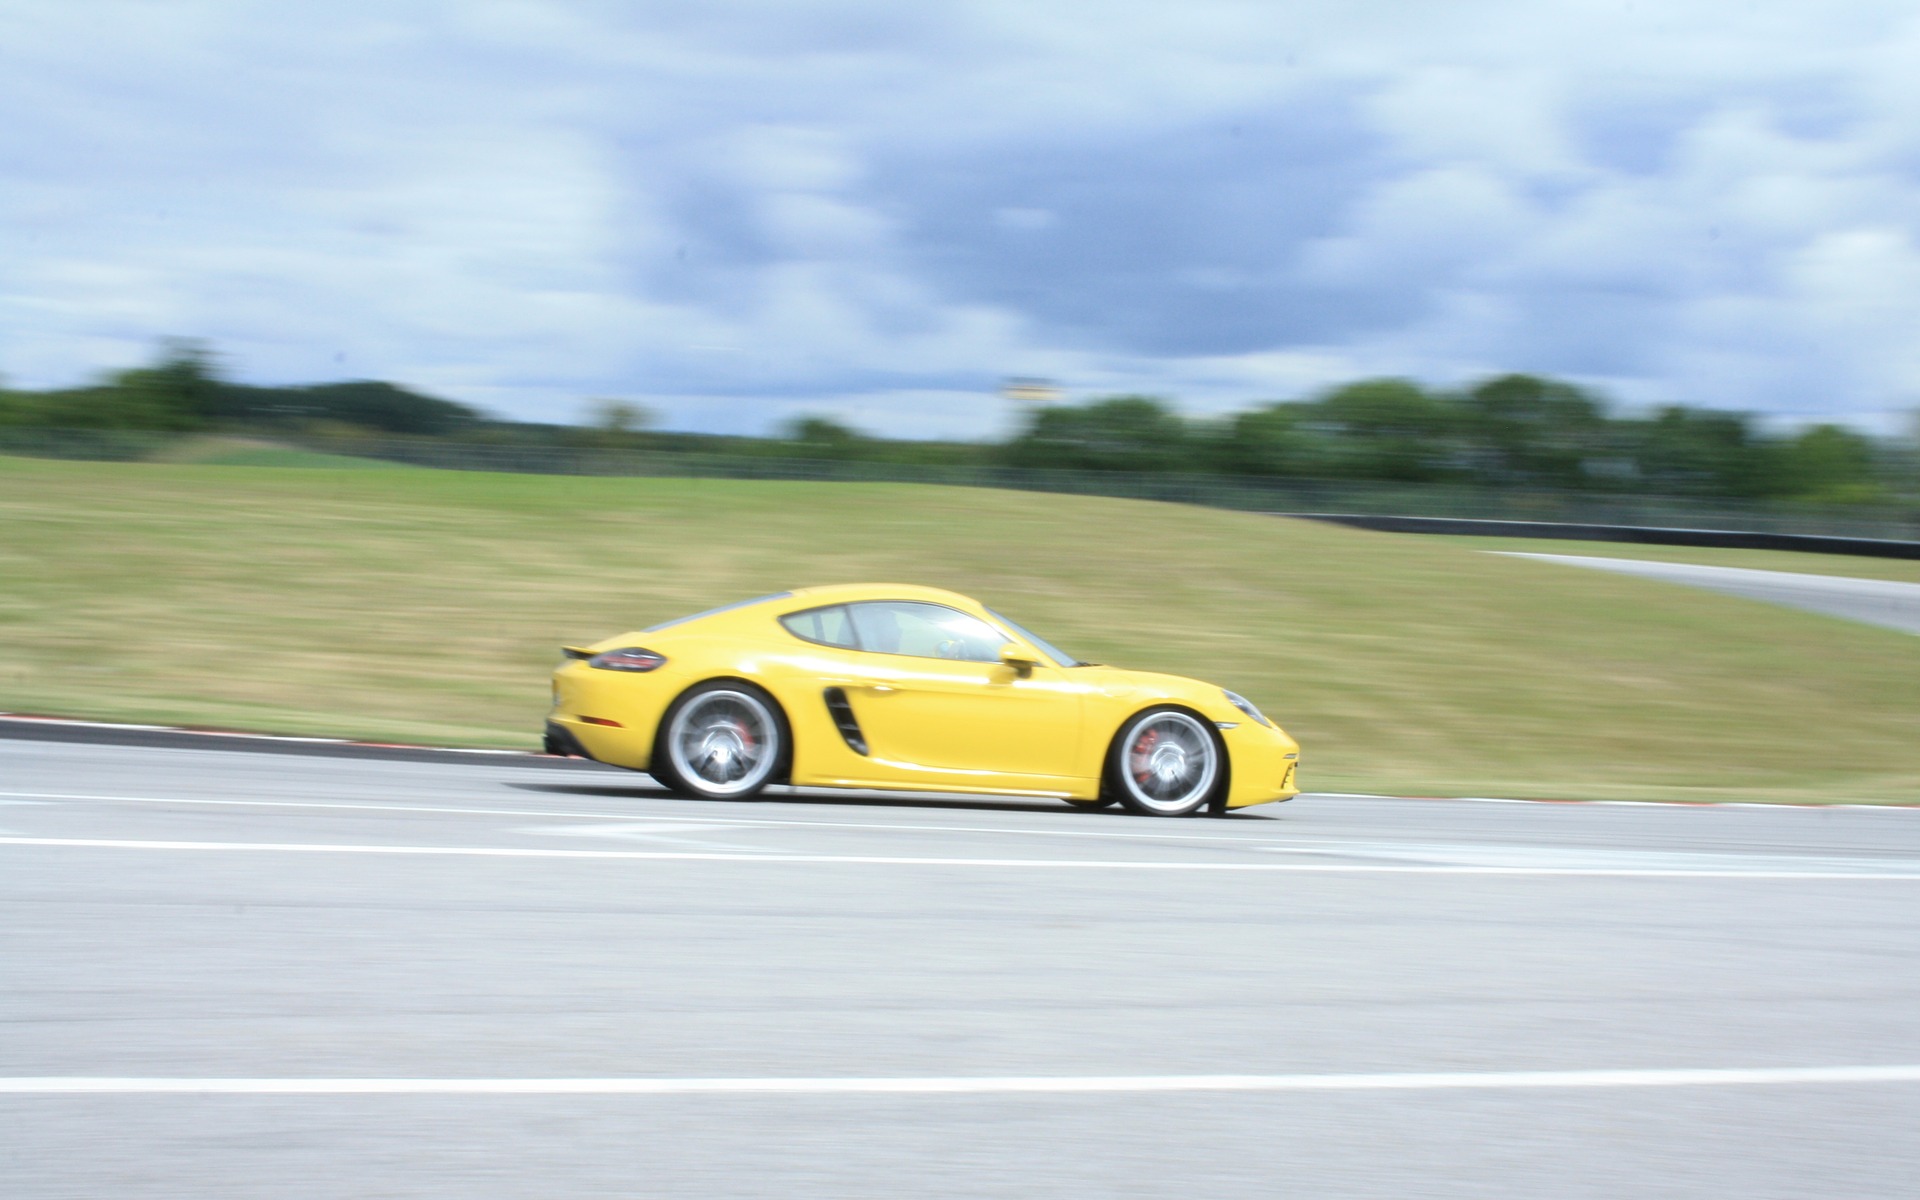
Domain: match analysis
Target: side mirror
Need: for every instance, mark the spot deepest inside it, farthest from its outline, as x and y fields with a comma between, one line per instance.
x=1011, y=659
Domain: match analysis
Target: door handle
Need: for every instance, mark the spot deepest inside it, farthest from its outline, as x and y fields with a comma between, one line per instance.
x=881, y=687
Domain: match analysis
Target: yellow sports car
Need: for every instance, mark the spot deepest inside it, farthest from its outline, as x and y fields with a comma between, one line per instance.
x=892, y=686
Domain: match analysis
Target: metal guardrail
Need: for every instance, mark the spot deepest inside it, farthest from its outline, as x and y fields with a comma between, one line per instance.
x=1248, y=493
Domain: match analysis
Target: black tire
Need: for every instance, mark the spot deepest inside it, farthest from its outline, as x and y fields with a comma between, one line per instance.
x=721, y=740
x=1102, y=802
x=1166, y=762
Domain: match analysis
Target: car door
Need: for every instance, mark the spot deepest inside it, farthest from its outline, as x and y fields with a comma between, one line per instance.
x=937, y=705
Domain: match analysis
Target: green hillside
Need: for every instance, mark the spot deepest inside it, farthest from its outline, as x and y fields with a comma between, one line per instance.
x=428, y=606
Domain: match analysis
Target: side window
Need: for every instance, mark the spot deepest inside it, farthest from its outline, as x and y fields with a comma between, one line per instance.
x=925, y=631
x=829, y=626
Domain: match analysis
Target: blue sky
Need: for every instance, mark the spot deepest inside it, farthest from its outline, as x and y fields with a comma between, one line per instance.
x=736, y=213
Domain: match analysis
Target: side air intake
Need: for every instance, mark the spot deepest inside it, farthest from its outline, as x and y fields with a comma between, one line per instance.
x=842, y=713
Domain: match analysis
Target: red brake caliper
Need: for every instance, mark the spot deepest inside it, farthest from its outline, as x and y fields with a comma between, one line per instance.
x=1142, y=749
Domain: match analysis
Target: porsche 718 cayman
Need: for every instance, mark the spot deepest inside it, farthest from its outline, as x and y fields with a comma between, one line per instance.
x=900, y=687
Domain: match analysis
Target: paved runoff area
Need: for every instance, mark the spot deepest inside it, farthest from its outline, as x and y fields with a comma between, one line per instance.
x=229, y=974
x=1882, y=602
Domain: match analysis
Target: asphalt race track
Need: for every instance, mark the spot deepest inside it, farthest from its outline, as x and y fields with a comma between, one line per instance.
x=1875, y=601
x=267, y=975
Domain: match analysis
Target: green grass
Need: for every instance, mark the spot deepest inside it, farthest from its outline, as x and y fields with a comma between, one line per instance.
x=1903, y=570
x=428, y=606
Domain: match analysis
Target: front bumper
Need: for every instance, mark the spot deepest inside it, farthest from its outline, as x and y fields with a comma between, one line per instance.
x=1265, y=765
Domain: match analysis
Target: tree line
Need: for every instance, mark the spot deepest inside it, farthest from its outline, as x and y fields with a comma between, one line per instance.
x=1512, y=431
x=182, y=392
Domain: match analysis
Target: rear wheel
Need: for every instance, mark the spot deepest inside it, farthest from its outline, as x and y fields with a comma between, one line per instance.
x=1165, y=763
x=720, y=741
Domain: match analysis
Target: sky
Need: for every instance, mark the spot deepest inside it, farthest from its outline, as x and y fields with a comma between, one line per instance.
x=739, y=213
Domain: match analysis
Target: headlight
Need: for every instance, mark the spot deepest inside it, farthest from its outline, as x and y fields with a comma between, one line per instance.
x=1246, y=706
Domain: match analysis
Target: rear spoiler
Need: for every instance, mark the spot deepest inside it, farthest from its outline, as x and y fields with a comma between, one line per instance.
x=576, y=652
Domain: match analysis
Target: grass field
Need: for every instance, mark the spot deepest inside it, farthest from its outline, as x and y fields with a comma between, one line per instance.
x=428, y=606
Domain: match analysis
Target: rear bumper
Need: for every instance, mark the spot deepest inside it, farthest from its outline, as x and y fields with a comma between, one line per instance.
x=614, y=745
x=559, y=740
x=608, y=716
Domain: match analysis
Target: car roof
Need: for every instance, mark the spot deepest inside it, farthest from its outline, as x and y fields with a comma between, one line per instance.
x=846, y=593
x=742, y=615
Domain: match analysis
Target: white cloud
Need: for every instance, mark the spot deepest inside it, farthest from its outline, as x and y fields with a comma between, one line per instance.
x=1438, y=221
x=1506, y=120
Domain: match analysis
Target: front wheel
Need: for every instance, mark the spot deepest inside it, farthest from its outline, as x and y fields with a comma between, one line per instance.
x=720, y=741
x=1166, y=763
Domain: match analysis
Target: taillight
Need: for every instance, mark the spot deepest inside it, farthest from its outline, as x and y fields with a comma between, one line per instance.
x=632, y=658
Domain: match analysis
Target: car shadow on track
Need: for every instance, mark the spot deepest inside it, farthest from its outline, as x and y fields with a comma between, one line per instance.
x=879, y=800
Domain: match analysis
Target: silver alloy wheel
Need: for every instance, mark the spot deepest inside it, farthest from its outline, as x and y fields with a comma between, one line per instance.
x=1167, y=764
x=724, y=743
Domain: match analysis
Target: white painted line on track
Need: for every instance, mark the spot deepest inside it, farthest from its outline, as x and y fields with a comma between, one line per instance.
x=86, y=1085
x=1062, y=864
x=692, y=814
x=1290, y=846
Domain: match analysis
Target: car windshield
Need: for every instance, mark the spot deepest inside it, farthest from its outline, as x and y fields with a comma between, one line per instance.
x=715, y=611
x=1060, y=657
